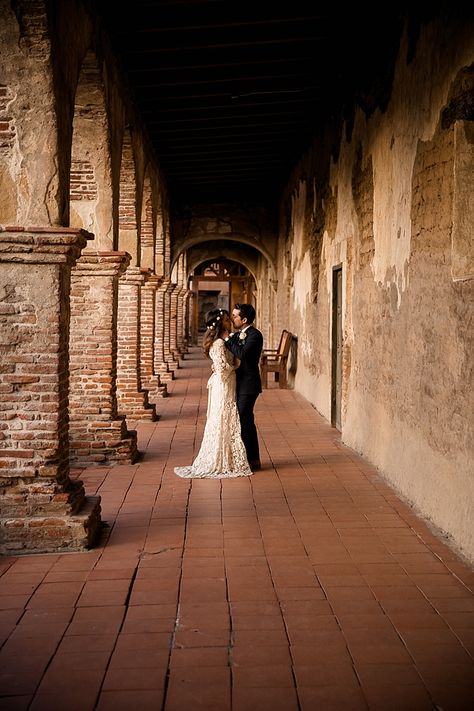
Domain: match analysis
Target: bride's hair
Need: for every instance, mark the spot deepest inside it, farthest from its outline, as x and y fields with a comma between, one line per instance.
x=214, y=328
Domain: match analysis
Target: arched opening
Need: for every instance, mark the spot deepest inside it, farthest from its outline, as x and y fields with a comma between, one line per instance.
x=128, y=228
x=91, y=179
x=218, y=283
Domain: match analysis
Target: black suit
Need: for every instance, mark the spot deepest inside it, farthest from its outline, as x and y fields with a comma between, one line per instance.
x=249, y=384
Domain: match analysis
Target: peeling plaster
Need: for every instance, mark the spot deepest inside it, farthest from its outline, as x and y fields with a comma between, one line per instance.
x=346, y=226
x=302, y=283
x=393, y=172
x=424, y=86
x=336, y=250
x=406, y=358
x=300, y=260
x=298, y=208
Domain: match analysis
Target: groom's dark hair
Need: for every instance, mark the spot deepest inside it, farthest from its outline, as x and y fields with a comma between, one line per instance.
x=246, y=311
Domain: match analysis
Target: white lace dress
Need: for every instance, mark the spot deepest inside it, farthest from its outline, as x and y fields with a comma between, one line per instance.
x=222, y=453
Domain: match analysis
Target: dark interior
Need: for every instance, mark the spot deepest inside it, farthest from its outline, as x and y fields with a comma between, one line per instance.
x=232, y=93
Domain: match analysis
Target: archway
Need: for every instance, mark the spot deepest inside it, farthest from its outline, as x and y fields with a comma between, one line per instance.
x=218, y=283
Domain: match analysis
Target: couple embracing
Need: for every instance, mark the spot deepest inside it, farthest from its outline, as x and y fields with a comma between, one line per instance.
x=229, y=446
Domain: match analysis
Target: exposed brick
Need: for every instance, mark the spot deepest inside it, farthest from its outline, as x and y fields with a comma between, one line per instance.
x=35, y=474
x=132, y=397
x=93, y=356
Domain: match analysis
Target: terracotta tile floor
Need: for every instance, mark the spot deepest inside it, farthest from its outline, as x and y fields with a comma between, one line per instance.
x=309, y=586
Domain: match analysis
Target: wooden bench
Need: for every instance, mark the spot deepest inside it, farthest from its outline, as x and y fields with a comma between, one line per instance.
x=276, y=361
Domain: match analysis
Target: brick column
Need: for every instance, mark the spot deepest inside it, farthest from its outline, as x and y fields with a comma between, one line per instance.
x=168, y=287
x=192, y=324
x=160, y=364
x=132, y=398
x=174, y=322
x=181, y=320
x=188, y=305
x=171, y=304
x=149, y=377
x=97, y=433
x=41, y=508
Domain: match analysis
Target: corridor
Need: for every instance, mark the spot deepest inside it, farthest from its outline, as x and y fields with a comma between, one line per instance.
x=309, y=586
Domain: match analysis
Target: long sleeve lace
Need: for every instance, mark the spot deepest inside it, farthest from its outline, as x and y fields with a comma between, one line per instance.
x=220, y=359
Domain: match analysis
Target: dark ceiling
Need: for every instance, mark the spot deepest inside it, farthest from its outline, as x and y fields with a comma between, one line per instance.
x=232, y=92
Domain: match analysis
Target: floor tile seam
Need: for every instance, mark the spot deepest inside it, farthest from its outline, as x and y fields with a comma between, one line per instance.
x=179, y=590
x=25, y=610
x=390, y=492
x=387, y=498
x=470, y=654
x=297, y=458
x=348, y=550
x=301, y=539
x=449, y=574
x=293, y=673
x=399, y=635
x=461, y=641
x=177, y=611
x=424, y=594
x=324, y=508
x=229, y=608
x=371, y=586
x=355, y=664
x=119, y=631
x=52, y=657
x=133, y=577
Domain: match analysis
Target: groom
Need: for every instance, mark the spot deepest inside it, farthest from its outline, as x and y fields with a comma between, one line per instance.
x=246, y=344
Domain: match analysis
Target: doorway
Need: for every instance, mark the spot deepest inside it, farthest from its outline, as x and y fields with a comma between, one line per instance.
x=218, y=283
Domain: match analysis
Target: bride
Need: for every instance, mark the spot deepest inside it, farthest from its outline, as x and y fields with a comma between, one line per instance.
x=222, y=453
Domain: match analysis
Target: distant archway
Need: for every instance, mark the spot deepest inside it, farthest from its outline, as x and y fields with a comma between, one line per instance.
x=218, y=283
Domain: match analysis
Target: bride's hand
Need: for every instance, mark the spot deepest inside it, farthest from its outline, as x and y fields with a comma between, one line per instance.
x=224, y=334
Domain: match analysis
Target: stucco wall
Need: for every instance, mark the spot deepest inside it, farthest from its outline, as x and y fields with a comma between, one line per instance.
x=388, y=207
x=28, y=173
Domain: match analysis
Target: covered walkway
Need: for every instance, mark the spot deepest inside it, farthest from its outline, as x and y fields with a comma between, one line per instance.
x=309, y=586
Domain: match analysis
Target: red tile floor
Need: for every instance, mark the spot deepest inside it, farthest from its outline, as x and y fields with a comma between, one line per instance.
x=310, y=586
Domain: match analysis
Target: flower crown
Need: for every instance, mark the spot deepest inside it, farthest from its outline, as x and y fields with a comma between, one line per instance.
x=214, y=323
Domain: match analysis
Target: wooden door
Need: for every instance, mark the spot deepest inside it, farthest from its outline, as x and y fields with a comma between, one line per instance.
x=336, y=376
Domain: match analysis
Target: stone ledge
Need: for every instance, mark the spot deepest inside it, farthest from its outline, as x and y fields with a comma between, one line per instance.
x=50, y=533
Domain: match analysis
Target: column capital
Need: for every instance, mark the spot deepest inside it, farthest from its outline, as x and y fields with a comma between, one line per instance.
x=153, y=283
x=102, y=263
x=171, y=286
x=42, y=245
x=164, y=282
x=135, y=275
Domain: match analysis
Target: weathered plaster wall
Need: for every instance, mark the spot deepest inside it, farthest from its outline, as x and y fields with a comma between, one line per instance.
x=28, y=168
x=388, y=205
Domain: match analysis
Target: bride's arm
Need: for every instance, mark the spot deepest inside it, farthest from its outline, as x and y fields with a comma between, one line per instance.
x=220, y=363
